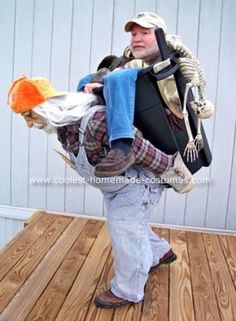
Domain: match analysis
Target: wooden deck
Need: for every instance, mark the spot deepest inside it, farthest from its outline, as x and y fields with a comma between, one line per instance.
x=53, y=269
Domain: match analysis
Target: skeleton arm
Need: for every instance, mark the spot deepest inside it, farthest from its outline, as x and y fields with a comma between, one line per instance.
x=194, y=76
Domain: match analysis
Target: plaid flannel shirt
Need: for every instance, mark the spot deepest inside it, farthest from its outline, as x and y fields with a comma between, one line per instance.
x=96, y=144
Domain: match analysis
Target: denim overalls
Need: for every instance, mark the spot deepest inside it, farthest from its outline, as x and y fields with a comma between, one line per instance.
x=129, y=204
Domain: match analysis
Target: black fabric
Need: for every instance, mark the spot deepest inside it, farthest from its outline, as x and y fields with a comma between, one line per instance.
x=151, y=118
x=112, y=62
x=106, y=62
x=123, y=144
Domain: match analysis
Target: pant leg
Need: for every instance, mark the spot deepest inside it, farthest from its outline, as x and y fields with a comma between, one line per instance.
x=132, y=252
x=119, y=93
x=159, y=246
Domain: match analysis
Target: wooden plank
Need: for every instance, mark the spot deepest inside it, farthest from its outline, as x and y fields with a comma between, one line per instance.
x=22, y=303
x=229, y=249
x=222, y=281
x=65, y=282
x=63, y=279
x=156, y=300
x=181, y=300
x=33, y=218
x=16, y=277
x=203, y=292
x=131, y=312
x=19, y=246
x=77, y=302
x=95, y=314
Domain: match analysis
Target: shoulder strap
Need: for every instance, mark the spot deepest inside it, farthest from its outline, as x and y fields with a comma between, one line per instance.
x=84, y=121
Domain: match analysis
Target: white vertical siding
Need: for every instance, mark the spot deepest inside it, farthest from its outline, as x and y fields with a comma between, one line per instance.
x=20, y=144
x=12, y=222
x=231, y=212
x=64, y=40
x=7, y=31
x=9, y=228
x=41, y=65
x=224, y=122
x=208, y=55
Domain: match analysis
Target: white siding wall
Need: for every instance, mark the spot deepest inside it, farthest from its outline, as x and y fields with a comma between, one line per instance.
x=64, y=40
x=9, y=228
x=11, y=222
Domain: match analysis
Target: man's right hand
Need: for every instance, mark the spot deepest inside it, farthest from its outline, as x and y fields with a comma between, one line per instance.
x=89, y=88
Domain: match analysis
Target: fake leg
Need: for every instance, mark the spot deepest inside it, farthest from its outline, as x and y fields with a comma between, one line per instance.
x=119, y=93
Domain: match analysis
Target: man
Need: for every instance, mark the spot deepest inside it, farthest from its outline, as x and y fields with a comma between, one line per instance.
x=79, y=122
x=119, y=92
x=143, y=47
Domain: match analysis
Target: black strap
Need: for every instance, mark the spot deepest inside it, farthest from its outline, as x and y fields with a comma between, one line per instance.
x=161, y=41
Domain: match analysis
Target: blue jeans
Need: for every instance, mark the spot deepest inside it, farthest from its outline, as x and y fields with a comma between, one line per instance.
x=119, y=94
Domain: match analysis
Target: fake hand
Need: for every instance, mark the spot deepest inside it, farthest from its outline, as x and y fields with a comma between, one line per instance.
x=89, y=88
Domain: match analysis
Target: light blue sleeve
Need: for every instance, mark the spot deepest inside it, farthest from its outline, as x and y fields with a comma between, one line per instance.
x=84, y=81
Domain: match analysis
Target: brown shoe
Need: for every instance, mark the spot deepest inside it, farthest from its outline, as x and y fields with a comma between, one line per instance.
x=167, y=258
x=115, y=163
x=107, y=300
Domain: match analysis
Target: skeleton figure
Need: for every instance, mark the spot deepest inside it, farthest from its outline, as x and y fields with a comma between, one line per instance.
x=194, y=76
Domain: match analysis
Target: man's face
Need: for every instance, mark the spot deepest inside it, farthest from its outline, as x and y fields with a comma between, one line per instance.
x=143, y=43
x=32, y=119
